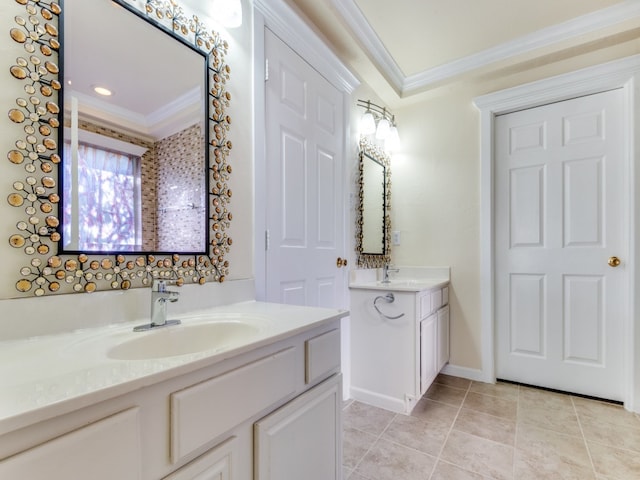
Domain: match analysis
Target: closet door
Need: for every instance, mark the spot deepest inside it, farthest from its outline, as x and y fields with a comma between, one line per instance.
x=561, y=221
x=305, y=182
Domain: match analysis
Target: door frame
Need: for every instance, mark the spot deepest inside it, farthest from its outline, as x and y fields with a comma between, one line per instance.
x=624, y=74
x=285, y=23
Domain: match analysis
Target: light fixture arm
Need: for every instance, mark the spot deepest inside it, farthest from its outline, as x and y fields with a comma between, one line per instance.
x=378, y=111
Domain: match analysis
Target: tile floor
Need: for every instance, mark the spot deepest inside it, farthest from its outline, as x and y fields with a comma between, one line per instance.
x=463, y=430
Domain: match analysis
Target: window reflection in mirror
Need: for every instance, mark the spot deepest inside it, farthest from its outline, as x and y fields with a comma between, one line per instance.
x=103, y=210
x=134, y=171
x=373, y=204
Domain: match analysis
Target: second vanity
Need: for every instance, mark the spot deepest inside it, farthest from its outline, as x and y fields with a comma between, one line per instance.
x=399, y=334
x=104, y=404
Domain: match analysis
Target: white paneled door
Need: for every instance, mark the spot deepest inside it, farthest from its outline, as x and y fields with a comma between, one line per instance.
x=305, y=196
x=561, y=221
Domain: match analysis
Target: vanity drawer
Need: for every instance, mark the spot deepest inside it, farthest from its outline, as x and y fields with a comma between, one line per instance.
x=425, y=306
x=436, y=299
x=322, y=355
x=204, y=411
x=104, y=450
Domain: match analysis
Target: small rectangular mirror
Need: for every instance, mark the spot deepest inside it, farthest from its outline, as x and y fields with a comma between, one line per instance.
x=373, y=206
x=373, y=221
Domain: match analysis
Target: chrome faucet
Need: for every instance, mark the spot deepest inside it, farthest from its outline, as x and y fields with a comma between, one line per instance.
x=159, y=298
x=386, y=268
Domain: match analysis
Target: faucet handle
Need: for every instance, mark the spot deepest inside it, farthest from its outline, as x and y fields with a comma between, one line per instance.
x=160, y=286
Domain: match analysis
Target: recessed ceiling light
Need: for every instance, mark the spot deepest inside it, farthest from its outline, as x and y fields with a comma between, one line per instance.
x=102, y=91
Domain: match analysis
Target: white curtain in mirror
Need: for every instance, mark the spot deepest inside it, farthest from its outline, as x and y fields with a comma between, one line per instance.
x=107, y=216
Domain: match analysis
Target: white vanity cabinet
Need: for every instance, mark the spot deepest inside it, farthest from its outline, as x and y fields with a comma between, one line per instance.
x=395, y=360
x=302, y=440
x=443, y=337
x=429, y=358
x=279, y=403
x=220, y=463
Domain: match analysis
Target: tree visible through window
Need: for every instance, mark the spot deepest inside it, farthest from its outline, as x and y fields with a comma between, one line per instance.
x=103, y=211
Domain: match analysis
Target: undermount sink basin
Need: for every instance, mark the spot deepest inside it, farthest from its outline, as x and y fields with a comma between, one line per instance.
x=184, y=339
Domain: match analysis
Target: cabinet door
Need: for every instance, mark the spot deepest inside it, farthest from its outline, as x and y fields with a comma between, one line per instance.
x=428, y=351
x=303, y=439
x=218, y=463
x=443, y=337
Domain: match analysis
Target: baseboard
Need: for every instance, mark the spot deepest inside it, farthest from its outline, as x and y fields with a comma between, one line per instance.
x=465, y=372
x=377, y=400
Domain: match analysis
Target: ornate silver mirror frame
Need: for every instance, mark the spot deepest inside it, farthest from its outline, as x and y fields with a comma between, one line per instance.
x=368, y=260
x=37, y=152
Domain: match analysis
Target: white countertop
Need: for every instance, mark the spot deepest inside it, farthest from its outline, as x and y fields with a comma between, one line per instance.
x=46, y=376
x=402, y=285
x=401, y=279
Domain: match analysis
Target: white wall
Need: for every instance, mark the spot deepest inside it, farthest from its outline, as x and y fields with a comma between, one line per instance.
x=436, y=207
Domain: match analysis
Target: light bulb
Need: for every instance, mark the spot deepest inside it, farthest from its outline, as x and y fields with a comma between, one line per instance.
x=383, y=129
x=392, y=142
x=367, y=123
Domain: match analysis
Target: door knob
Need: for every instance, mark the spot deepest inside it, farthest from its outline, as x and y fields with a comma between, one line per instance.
x=341, y=262
x=613, y=261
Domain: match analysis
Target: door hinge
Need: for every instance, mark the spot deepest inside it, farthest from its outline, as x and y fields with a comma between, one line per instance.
x=266, y=69
x=267, y=239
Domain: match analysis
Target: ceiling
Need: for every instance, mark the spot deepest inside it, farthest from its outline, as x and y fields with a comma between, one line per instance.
x=129, y=57
x=405, y=47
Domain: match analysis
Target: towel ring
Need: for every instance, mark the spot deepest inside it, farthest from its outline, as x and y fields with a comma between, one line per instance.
x=389, y=298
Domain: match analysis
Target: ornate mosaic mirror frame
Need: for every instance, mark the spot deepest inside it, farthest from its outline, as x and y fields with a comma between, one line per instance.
x=38, y=154
x=366, y=260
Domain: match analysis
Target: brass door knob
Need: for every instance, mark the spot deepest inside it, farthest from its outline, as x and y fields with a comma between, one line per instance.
x=341, y=262
x=613, y=261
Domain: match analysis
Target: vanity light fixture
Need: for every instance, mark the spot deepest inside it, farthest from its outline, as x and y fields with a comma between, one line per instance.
x=384, y=127
x=228, y=12
x=367, y=122
x=392, y=141
x=379, y=120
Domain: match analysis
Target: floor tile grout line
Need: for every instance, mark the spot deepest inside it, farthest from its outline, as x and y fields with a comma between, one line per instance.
x=450, y=430
x=372, y=445
x=584, y=438
x=515, y=434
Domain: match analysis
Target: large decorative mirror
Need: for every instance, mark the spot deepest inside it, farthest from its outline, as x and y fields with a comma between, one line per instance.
x=373, y=220
x=55, y=124
x=134, y=157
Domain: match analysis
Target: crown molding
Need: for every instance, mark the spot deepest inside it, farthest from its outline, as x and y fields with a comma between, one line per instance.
x=408, y=85
x=371, y=43
x=282, y=20
x=586, y=81
x=167, y=120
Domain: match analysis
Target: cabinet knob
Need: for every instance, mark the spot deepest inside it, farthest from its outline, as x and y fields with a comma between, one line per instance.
x=341, y=262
